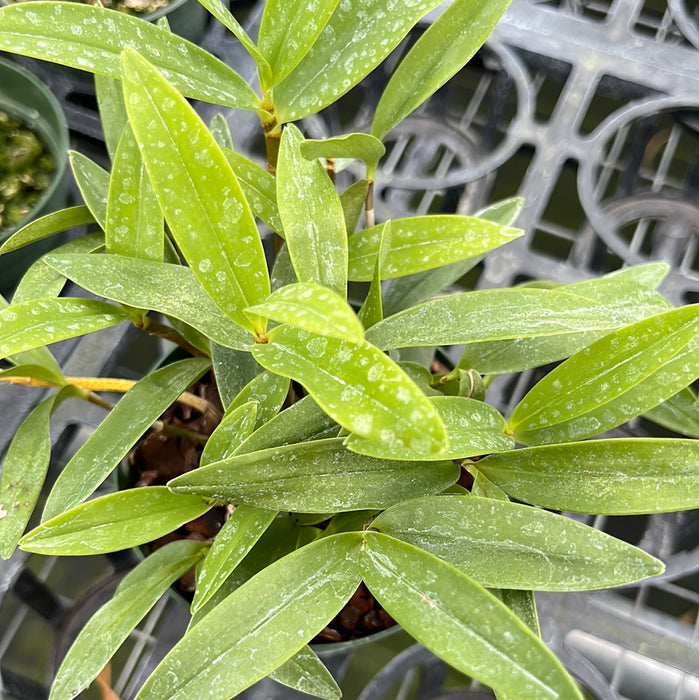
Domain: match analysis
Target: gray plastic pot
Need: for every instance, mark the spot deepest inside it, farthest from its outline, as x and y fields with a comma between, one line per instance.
x=24, y=97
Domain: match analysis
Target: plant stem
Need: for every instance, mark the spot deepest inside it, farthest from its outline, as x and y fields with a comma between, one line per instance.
x=369, y=215
x=160, y=330
x=113, y=385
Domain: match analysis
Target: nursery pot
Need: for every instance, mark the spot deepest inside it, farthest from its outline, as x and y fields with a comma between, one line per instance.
x=24, y=97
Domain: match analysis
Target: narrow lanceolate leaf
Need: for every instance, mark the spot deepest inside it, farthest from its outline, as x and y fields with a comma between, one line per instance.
x=122, y=278
x=113, y=117
x=679, y=413
x=613, y=477
x=423, y=243
x=39, y=322
x=320, y=476
x=93, y=182
x=109, y=627
x=617, y=378
x=235, y=539
x=447, y=45
x=24, y=470
x=305, y=672
x=357, y=385
x=473, y=428
x=303, y=420
x=259, y=188
x=372, y=308
x=221, y=13
x=268, y=391
x=629, y=294
x=288, y=30
x=354, y=41
x=197, y=191
x=113, y=522
x=508, y=545
x=134, y=224
x=39, y=357
x=312, y=308
x=404, y=292
x=365, y=147
x=308, y=587
x=41, y=281
x=235, y=426
x=498, y=314
x=461, y=622
x=137, y=410
x=353, y=200
x=312, y=216
x=68, y=33
x=46, y=226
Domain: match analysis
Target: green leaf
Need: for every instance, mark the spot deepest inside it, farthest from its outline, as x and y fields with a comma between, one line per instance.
x=38, y=322
x=357, y=385
x=303, y=420
x=221, y=131
x=93, y=182
x=259, y=188
x=288, y=29
x=679, y=413
x=461, y=622
x=112, y=110
x=122, y=278
x=443, y=49
x=312, y=308
x=628, y=294
x=637, y=279
x=306, y=673
x=365, y=147
x=268, y=391
x=24, y=470
x=233, y=370
x=404, y=292
x=372, y=308
x=114, y=522
x=473, y=428
x=48, y=225
x=499, y=314
x=235, y=539
x=620, y=376
x=39, y=356
x=353, y=200
x=220, y=659
x=197, y=191
x=134, y=222
x=283, y=272
x=613, y=477
x=320, y=476
x=109, y=627
x=312, y=216
x=68, y=33
x=236, y=425
x=354, y=41
x=41, y=281
x=424, y=242
x=507, y=545
x=221, y=13
x=137, y=410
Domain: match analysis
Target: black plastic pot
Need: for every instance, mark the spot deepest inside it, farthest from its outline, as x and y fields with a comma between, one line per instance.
x=26, y=98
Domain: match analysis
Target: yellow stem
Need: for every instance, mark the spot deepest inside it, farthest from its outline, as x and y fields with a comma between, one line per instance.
x=118, y=386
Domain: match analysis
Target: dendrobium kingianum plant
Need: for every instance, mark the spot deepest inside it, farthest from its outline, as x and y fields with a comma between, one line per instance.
x=441, y=505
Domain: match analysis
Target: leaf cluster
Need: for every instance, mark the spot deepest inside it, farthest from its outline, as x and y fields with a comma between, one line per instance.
x=328, y=420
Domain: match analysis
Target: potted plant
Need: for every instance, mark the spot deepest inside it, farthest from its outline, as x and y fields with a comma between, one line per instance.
x=33, y=144
x=364, y=459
